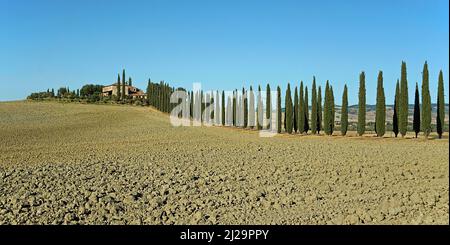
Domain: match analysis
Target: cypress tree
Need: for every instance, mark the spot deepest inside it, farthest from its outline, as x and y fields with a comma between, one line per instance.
x=202, y=98
x=306, y=112
x=223, y=108
x=259, y=110
x=403, y=106
x=416, y=115
x=288, y=110
x=333, y=111
x=362, y=104
x=217, y=106
x=209, y=100
x=301, y=111
x=440, y=106
x=123, y=84
x=284, y=119
x=196, y=105
x=380, y=116
x=327, y=111
x=295, y=123
x=319, y=111
x=268, y=107
x=251, y=116
x=344, y=112
x=244, y=93
x=278, y=109
x=192, y=105
x=118, y=87
x=426, y=102
x=148, y=91
x=396, y=109
x=130, y=81
x=314, y=107
x=234, y=108
x=239, y=106
x=230, y=110
x=208, y=107
x=162, y=99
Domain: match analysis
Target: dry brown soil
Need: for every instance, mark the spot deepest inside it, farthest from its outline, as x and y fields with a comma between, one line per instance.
x=105, y=164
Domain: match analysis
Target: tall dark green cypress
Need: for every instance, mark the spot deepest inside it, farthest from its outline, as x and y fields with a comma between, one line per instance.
x=278, y=109
x=123, y=84
x=192, y=105
x=426, y=102
x=245, y=104
x=416, y=115
x=319, y=110
x=251, y=115
x=234, y=108
x=295, y=123
x=403, y=106
x=203, y=106
x=130, y=82
x=149, y=91
x=268, y=107
x=223, y=108
x=118, y=87
x=301, y=111
x=207, y=107
x=306, y=112
x=288, y=110
x=395, y=128
x=380, y=115
x=440, y=106
x=362, y=104
x=198, y=106
x=327, y=111
x=333, y=110
x=344, y=112
x=259, y=110
x=314, y=107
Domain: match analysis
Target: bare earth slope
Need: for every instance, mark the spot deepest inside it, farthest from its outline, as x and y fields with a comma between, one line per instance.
x=95, y=164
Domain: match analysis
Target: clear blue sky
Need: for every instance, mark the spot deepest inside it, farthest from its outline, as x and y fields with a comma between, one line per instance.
x=222, y=44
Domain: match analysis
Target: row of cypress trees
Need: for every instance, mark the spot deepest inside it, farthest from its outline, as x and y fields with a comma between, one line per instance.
x=422, y=107
x=158, y=96
x=298, y=117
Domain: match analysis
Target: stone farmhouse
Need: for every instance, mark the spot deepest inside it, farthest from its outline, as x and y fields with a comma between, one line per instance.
x=130, y=91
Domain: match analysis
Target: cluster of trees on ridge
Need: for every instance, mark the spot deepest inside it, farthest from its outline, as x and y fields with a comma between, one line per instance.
x=91, y=93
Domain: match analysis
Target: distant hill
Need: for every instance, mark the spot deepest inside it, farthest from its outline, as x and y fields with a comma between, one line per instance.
x=370, y=113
